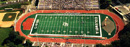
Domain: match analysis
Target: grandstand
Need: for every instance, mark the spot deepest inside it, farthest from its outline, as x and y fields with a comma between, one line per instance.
x=68, y=4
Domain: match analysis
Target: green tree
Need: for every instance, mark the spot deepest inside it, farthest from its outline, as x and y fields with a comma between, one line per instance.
x=20, y=45
x=15, y=40
x=105, y=3
x=124, y=37
x=125, y=1
x=19, y=40
x=116, y=43
x=11, y=44
x=109, y=45
x=99, y=45
x=28, y=43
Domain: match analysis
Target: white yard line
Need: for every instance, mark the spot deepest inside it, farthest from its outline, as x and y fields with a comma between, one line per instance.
x=50, y=27
x=41, y=29
x=69, y=25
x=55, y=24
x=33, y=23
x=62, y=26
x=69, y=14
x=90, y=24
x=59, y=26
x=64, y=35
x=45, y=26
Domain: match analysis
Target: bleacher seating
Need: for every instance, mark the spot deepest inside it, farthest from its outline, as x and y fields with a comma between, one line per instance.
x=68, y=4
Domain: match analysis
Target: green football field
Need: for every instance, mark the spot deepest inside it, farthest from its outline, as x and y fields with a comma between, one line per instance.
x=88, y=25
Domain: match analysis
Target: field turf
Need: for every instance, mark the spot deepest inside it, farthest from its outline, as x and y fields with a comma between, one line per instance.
x=67, y=24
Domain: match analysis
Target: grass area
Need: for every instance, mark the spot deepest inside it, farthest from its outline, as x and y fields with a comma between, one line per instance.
x=4, y=33
x=2, y=2
x=67, y=24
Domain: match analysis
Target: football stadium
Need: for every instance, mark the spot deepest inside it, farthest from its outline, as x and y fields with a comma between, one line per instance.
x=75, y=26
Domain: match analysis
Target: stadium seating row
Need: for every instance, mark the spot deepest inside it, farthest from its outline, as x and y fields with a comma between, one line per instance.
x=68, y=4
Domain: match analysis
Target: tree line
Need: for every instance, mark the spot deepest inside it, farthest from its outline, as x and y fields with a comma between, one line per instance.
x=15, y=40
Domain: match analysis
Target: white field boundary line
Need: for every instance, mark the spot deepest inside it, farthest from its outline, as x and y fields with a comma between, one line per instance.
x=100, y=25
x=68, y=15
x=33, y=24
x=64, y=35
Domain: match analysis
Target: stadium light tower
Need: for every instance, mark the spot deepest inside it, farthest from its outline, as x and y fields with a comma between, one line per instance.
x=37, y=39
x=84, y=35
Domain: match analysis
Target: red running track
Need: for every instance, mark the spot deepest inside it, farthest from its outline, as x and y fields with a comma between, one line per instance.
x=119, y=24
